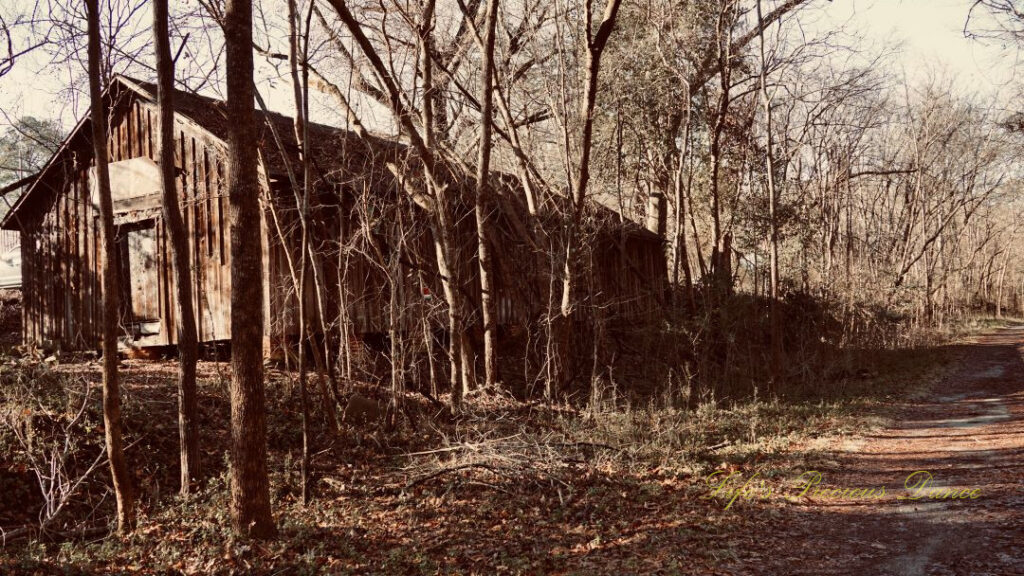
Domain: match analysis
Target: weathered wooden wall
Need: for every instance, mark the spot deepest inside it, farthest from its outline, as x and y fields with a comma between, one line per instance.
x=61, y=238
x=354, y=227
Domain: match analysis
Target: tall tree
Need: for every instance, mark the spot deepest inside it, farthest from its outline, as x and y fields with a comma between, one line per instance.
x=109, y=282
x=250, y=487
x=188, y=346
x=775, y=329
x=483, y=169
x=436, y=198
x=300, y=89
x=592, y=49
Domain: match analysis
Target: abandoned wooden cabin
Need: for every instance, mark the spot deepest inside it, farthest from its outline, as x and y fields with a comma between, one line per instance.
x=358, y=241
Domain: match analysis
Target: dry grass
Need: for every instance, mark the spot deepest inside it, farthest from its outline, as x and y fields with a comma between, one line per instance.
x=510, y=487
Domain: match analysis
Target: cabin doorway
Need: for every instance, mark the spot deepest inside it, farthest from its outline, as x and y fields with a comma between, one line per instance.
x=140, y=288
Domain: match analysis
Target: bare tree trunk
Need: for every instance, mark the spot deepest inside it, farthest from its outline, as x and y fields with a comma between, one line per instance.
x=345, y=319
x=999, y=284
x=719, y=253
x=716, y=163
x=303, y=372
x=188, y=346
x=301, y=130
x=250, y=487
x=111, y=300
x=396, y=308
x=487, y=301
x=428, y=340
x=436, y=200
x=680, y=255
x=775, y=329
x=460, y=348
x=303, y=211
x=594, y=48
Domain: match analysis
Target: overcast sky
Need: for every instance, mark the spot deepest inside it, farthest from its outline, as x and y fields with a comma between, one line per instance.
x=929, y=33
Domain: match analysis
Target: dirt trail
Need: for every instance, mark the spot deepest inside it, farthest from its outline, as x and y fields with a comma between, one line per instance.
x=968, y=434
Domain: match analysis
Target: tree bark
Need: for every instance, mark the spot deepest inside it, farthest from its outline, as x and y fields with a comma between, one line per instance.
x=301, y=132
x=774, y=322
x=719, y=253
x=680, y=255
x=188, y=345
x=250, y=489
x=463, y=373
x=482, y=173
x=594, y=48
x=109, y=280
x=999, y=285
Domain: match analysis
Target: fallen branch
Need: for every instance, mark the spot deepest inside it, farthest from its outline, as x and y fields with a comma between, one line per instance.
x=473, y=446
x=443, y=471
x=588, y=445
x=28, y=532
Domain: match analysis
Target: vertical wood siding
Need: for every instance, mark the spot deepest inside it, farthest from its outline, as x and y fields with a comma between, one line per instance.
x=61, y=263
x=61, y=245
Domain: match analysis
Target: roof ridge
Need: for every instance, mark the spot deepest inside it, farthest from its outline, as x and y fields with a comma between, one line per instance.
x=149, y=89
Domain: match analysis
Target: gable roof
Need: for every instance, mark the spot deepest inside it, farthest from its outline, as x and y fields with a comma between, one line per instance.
x=335, y=152
x=331, y=147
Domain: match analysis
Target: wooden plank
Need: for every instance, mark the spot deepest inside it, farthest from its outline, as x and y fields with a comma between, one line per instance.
x=149, y=134
x=158, y=256
x=118, y=131
x=195, y=197
x=97, y=271
x=129, y=132
x=222, y=227
x=223, y=312
x=91, y=269
x=62, y=260
x=123, y=130
x=140, y=137
x=171, y=310
x=264, y=186
x=207, y=203
x=76, y=264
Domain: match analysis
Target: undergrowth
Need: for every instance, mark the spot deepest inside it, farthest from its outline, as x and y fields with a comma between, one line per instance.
x=433, y=493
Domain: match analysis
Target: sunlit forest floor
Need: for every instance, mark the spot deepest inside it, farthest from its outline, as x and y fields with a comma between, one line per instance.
x=612, y=487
